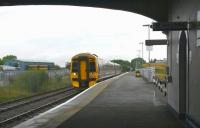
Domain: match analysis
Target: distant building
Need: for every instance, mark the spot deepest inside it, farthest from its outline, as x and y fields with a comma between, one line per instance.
x=7, y=68
x=30, y=65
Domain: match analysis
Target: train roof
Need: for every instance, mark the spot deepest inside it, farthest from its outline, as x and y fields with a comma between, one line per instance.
x=84, y=55
x=93, y=56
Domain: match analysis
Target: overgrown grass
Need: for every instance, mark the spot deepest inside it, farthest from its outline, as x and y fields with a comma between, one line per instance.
x=31, y=83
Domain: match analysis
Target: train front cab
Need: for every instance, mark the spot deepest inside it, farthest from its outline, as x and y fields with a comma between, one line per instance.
x=84, y=71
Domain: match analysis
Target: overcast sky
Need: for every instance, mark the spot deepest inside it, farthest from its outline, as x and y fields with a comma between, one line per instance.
x=56, y=33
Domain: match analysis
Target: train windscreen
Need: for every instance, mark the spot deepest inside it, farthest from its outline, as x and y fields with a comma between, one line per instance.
x=75, y=67
x=92, y=67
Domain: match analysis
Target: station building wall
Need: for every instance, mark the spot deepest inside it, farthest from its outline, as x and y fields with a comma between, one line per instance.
x=184, y=98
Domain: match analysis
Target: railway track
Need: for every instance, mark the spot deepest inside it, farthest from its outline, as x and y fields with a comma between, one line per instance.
x=29, y=97
x=20, y=102
x=15, y=112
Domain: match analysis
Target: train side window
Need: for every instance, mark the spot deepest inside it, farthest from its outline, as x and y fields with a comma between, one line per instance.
x=74, y=66
x=92, y=67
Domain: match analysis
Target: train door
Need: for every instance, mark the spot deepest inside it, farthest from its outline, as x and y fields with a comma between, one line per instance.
x=83, y=70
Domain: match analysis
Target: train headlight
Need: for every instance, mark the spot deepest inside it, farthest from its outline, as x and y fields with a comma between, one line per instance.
x=75, y=75
x=92, y=75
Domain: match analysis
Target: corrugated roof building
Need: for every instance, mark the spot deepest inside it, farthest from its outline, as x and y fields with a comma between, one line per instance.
x=26, y=65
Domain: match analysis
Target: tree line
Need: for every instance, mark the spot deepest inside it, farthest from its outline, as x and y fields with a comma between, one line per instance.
x=7, y=58
x=132, y=65
x=125, y=64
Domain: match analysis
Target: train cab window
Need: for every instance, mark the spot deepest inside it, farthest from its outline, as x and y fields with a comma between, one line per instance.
x=74, y=66
x=92, y=67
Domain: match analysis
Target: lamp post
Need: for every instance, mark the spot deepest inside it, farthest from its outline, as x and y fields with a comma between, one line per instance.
x=142, y=52
x=139, y=51
x=142, y=48
x=137, y=64
x=148, y=25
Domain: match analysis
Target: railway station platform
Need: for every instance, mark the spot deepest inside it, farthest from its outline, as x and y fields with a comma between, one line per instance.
x=120, y=102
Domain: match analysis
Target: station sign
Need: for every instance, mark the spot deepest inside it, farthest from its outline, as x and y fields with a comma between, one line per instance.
x=155, y=42
x=169, y=26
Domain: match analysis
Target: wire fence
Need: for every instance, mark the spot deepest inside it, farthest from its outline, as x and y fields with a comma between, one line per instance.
x=7, y=76
x=17, y=84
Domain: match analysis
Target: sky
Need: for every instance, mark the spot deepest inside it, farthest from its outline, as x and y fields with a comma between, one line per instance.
x=56, y=33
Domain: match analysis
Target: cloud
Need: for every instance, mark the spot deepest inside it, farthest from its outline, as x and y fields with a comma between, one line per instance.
x=56, y=33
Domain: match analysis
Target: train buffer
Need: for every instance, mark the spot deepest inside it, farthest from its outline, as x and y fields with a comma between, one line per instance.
x=119, y=102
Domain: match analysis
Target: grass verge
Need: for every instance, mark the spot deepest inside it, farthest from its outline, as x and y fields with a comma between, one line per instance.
x=30, y=83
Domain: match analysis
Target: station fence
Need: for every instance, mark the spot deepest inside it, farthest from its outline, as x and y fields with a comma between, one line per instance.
x=7, y=76
x=148, y=73
x=17, y=84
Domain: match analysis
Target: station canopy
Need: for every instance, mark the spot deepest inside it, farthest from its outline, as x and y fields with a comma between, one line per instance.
x=155, y=9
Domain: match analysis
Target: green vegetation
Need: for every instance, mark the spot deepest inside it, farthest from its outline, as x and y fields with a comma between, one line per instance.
x=137, y=63
x=7, y=58
x=1, y=62
x=126, y=65
x=30, y=83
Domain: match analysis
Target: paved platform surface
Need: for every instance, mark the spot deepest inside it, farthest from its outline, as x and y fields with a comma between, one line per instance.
x=128, y=102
